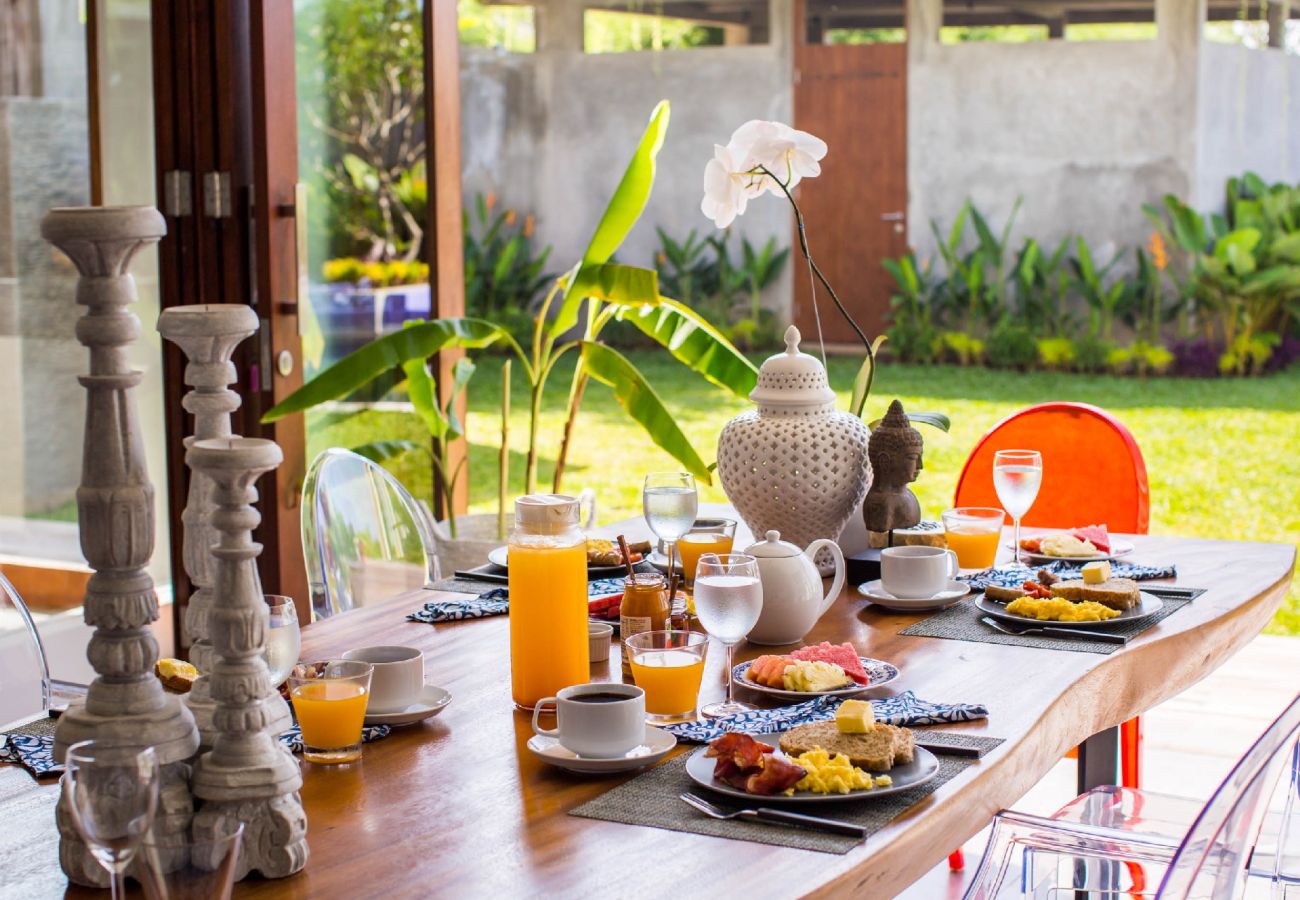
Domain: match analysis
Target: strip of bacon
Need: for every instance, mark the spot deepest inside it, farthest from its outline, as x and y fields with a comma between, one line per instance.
x=776, y=775
x=741, y=749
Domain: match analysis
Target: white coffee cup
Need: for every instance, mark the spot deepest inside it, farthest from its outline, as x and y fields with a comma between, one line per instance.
x=598, y=721
x=916, y=572
x=398, y=679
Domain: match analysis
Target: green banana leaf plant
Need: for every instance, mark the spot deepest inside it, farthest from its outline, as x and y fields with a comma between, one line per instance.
x=595, y=289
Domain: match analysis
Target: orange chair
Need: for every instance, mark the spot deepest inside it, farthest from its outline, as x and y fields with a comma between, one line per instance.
x=1093, y=473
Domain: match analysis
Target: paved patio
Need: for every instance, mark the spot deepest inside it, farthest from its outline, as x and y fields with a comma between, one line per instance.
x=1192, y=741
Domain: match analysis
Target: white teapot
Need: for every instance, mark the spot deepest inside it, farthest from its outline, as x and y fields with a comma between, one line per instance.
x=792, y=588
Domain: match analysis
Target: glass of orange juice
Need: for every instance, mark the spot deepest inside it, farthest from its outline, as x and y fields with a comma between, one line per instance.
x=668, y=666
x=330, y=699
x=705, y=536
x=973, y=533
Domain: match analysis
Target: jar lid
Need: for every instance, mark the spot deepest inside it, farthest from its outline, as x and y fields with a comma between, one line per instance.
x=546, y=512
x=772, y=547
x=792, y=379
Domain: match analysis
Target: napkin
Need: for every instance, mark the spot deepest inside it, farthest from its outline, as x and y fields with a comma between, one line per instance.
x=904, y=709
x=36, y=752
x=293, y=737
x=1013, y=578
x=496, y=602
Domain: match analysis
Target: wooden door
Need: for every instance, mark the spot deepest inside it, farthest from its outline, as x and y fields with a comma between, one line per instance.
x=854, y=97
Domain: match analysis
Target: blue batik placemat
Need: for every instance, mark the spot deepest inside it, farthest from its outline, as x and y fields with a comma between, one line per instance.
x=905, y=709
x=496, y=602
x=1013, y=578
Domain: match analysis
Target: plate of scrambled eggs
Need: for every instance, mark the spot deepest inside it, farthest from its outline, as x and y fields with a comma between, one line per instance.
x=1066, y=613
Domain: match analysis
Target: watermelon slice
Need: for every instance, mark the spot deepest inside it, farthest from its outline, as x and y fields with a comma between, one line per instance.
x=1095, y=535
x=843, y=655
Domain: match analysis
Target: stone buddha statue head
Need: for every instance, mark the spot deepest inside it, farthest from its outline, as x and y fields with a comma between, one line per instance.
x=895, y=451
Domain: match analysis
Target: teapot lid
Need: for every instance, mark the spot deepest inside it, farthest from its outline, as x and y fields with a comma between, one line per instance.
x=772, y=547
x=792, y=379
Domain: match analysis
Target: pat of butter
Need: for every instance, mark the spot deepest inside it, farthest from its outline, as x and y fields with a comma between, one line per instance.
x=855, y=717
x=1096, y=572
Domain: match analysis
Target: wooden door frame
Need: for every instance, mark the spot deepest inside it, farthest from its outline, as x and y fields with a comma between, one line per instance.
x=225, y=100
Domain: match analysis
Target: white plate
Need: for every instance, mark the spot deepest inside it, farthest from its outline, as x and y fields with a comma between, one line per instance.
x=431, y=702
x=876, y=593
x=1148, y=605
x=498, y=557
x=921, y=769
x=878, y=672
x=656, y=746
x=1118, y=549
x=660, y=562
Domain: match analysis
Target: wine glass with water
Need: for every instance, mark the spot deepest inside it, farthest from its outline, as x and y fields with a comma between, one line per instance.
x=110, y=794
x=1017, y=475
x=283, y=638
x=728, y=600
x=670, y=502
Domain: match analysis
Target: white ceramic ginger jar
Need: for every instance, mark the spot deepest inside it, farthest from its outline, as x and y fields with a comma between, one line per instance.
x=795, y=464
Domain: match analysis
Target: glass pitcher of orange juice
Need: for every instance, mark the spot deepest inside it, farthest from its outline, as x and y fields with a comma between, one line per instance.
x=547, y=568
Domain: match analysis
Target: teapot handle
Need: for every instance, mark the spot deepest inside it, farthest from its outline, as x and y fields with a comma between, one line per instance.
x=837, y=583
x=587, y=504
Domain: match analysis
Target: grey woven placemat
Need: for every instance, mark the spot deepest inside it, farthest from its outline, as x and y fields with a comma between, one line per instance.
x=466, y=586
x=654, y=799
x=962, y=623
x=42, y=727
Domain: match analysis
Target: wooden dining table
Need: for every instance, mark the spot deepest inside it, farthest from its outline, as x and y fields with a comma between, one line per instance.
x=458, y=806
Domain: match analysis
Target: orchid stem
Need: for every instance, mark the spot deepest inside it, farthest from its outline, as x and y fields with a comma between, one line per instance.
x=807, y=255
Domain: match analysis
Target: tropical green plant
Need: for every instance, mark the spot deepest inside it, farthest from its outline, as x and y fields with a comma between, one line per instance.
x=1011, y=345
x=1243, y=269
x=1042, y=288
x=686, y=269
x=1056, y=353
x=914, y=309
x=596, y=290
x=760, y=268
x=1104, y=299
x=503, y=277
x=1092, y=353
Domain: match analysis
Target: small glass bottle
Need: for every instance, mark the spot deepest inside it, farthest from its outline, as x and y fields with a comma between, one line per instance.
x=547, y=567
x=646, y=607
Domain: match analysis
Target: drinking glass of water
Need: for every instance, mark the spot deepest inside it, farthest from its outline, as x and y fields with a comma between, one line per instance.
x=670, y=502
x=728, y=599
x=283, y=639
x=1017, y=475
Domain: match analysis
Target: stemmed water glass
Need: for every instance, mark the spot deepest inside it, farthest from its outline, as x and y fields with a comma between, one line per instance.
x=110, y=794
x=670, y=502
x=283, y=638
x=728, y=600
x=1017, y=475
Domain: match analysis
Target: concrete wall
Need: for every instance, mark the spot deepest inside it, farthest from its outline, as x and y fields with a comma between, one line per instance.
x=1248, y=118
x=551, y=132
x=1084, y=132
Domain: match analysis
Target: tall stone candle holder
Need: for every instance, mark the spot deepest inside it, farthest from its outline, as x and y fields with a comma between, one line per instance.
x=125, y=705
x=247, y=775
x=208, y=333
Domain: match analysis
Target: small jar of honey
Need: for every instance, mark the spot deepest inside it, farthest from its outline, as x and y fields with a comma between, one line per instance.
x=646, y=607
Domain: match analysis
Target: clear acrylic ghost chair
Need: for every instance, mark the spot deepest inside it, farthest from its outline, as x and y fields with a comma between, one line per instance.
x=364, y=537
x=24, y=673
x=1114, y=842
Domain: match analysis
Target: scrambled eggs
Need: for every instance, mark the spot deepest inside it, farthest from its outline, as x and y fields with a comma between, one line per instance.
x=1066, y=545
x=1058, y=609
x=833, y=774
x=806, y=675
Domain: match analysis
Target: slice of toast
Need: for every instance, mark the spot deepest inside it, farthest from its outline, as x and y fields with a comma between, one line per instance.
x=1116, y=593
x=878, y=750
x=1000, y=594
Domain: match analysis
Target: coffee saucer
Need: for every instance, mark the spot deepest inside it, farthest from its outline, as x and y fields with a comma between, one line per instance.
x=874, y=592
x=432, y=700
x=656, y=745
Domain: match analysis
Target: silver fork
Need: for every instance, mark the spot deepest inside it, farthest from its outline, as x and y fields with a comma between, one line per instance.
x=776, y=817
x=1104, y=636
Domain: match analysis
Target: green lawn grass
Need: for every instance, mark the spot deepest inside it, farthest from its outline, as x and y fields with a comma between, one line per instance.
x=1222, y=455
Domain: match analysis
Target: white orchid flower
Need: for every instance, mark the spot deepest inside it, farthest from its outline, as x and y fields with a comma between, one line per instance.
x=727, y=187
x=788, y=154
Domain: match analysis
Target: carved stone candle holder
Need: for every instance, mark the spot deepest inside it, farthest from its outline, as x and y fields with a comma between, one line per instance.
x=125, y=705
x=208, y=334
x=247, y=776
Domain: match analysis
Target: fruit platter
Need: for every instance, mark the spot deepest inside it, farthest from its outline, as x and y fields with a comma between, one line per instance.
x=819, y=670
x=1085, y=543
